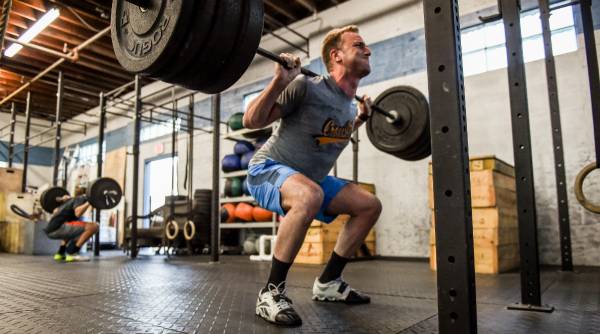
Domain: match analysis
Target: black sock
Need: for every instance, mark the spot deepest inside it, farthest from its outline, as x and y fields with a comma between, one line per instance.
x=62, y=249
x=72, y=248
x=334, y=268
x=279, y=271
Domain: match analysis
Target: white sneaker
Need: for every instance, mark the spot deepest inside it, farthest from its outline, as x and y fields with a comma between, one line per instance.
x=338, y=291
x=76, y=258
x=275, y=307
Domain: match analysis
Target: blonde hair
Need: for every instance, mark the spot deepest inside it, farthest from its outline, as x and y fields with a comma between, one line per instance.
x=333, y=40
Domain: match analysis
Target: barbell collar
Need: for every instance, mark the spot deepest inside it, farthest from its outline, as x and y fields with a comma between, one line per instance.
x=270, y=55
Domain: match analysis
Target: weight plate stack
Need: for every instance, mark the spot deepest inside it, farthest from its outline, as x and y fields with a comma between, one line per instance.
x=49, y=198
x=217, y=48
x=247, y=42
x=104, y=193
x=195, y=36
x=147, y=39
x=408, y=139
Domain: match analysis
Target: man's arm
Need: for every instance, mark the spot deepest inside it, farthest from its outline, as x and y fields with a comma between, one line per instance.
x=364, y=112
x=264, y=109
x=80, y=210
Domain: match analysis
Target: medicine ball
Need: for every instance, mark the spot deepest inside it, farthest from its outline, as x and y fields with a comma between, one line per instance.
x=245, y=160
x=242, y=147
x=228, y=213
x=233, y=187
x=261, y=215
x=231, y=163
x=235, y=121
x=243, y=211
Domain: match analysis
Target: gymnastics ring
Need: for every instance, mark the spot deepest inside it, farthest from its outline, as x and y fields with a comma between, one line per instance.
x=171, y=224
x=189, y=236
x=595, y=208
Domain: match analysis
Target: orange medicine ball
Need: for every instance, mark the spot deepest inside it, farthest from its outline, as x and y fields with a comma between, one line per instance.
x=261, y=215
x=243, y=211
x=230, y=217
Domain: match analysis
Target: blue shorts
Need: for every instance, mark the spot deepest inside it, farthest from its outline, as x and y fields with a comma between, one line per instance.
x=265, y=180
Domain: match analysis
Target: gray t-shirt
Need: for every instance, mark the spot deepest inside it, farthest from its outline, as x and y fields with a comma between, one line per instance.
x=316, y=125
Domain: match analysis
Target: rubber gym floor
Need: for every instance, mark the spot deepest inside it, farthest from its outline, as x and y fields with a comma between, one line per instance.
x=153, y=294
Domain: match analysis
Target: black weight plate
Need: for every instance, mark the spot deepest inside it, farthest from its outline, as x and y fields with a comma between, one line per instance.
x=193, y=39
x=145, y=40
x=421, y=149
x=218, y=46
x=412, y=106
x=104, y=193
x=49, y=198
x=250, y=33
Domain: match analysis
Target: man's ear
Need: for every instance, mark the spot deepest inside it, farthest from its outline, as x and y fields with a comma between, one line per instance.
x=334, y=55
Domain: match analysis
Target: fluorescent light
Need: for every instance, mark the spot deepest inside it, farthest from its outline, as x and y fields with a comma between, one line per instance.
x=35, y=29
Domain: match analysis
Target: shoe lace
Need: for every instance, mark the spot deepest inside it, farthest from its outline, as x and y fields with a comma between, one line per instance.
x=278, y=292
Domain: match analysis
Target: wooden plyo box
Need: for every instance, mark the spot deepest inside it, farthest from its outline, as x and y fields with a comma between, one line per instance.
x=10, y=179
x=488, y=259
x=494, y=215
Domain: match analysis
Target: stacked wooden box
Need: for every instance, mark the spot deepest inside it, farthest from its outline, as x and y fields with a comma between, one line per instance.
x=11, y=228
x=495, y=227
x=321, y=238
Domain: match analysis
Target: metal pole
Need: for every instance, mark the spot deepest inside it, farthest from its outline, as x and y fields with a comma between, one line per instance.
x=173, y=146
x=191, y=147
x=355, y=157
x=11, y=143
x=66, y=168
x=59, y=105
x=457, y=308
x=594, y=77
x=215, y=217
x=173, y=139
x=136, y=166
x=531, y=298
x=557, y=142
x=26, y=144
x=101, y=125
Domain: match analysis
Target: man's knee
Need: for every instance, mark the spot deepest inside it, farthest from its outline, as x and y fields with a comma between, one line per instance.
x=371, y=207
x=92, y=227
x=310, y=200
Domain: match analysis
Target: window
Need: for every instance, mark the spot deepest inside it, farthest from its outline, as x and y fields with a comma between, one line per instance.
x=152, y=131
x=157, y=183
x=249, y=98
x=484, y=47
x=88, y=154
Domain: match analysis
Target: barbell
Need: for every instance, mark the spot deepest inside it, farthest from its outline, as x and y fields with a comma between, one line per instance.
x=207, y=45
x=103, y=194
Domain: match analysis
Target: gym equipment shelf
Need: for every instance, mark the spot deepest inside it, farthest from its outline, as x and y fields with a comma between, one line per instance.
x=235, y=174
x=241, y=225
x=248, y=199
x=239, y=134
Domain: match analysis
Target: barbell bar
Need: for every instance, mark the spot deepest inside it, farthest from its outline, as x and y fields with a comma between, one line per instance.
x=270, y=55
x=207, y=45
